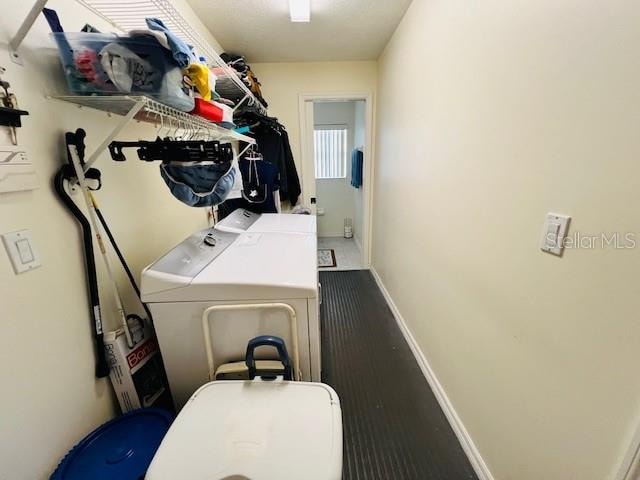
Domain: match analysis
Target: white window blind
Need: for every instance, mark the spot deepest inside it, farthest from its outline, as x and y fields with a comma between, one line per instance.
x=330, y=146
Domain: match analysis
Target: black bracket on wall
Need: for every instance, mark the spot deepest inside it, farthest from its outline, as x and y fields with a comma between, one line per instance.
x=10, y=117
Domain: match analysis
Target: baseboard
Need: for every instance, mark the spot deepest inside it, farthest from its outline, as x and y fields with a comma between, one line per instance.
x=470, y=449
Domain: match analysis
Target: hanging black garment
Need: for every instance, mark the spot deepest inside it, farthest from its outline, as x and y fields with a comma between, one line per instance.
x=260, y=185
x=273, y=143
x=260, y=182
x=292, y=180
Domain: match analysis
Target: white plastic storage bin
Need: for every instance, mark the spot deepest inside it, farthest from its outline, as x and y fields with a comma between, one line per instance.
x=259, y=430
x=107, y=64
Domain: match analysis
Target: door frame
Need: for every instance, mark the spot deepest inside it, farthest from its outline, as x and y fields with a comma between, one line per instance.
x=305, y=108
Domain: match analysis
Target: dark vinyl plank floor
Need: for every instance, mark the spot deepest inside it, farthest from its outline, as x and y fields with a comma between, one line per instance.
x=393, y=425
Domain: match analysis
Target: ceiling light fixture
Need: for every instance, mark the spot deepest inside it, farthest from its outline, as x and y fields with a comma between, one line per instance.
x=300, y=10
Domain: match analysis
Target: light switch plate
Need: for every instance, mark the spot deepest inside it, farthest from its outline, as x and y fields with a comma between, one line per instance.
x=21, y=251
x=554, y=233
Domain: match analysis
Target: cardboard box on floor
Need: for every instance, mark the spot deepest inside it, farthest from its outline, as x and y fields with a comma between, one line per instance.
x=137, y=374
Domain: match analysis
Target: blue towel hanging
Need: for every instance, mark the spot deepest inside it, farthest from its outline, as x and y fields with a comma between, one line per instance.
x=356, y=168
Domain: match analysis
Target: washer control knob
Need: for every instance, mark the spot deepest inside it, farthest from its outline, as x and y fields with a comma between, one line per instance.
x=209, y=240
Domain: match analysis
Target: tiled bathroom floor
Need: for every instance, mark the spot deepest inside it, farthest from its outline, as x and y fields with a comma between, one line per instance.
x=348, y=256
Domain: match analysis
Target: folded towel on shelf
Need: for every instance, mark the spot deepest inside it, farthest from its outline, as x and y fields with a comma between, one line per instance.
x=182, y=53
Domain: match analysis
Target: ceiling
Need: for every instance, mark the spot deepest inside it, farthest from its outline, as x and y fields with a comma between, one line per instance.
x=339, y=29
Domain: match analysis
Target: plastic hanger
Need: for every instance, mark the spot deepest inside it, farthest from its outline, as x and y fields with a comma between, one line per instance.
x=253, y=155
x=168, y=150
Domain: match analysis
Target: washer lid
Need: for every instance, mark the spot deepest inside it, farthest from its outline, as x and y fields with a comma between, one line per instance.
x=259, y=262
x=237, y=221
x=284, y=222
x=256, y=266
x=258, y=430
x=241, y=220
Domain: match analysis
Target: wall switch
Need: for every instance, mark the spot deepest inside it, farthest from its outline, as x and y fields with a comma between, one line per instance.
x=21, y=251
x=555, y=231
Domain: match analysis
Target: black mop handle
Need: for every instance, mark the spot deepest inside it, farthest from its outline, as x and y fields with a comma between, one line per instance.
x=102, y=366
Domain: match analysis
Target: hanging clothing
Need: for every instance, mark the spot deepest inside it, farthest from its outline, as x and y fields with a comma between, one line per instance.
x=260, y=183
x=357, y=160
x=293, y=190
x=273, y=142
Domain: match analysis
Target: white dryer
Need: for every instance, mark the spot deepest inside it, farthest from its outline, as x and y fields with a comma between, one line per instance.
x=214, y=267
x=241, y=220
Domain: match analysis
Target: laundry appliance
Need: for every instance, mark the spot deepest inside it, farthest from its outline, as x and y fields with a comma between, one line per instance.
x=253, y=274
x=241, y=220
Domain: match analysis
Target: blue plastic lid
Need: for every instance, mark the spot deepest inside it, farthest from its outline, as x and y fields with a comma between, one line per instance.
x=120, y=449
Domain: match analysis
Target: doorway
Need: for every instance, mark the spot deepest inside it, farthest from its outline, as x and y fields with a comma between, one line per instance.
x=336, y=176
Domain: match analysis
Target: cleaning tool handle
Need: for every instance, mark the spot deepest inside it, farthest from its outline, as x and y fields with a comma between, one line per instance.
x=75, y=150
x=102, y=366
x=270, y=341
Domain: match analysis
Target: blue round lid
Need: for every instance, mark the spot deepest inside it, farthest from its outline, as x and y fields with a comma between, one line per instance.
x=121, y=448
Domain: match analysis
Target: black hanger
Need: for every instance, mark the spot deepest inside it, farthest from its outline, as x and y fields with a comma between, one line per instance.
x=174, y=150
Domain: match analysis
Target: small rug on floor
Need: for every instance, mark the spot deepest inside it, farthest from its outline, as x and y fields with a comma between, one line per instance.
x=326, y=258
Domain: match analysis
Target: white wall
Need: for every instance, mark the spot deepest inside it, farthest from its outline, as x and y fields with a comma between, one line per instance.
x=334, y=195
x=490, y=115
x=282, y=84
x=50, y=397
x=358, y=199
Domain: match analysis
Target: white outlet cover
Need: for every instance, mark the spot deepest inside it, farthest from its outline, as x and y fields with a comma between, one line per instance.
x=22, y=253
x=554, y=233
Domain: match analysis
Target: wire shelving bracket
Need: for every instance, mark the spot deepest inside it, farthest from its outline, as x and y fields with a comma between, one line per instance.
x=27, y=23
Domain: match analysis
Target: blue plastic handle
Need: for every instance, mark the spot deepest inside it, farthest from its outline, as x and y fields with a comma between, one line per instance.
x=268, y=341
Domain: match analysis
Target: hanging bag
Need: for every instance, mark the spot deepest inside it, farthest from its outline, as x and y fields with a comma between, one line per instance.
x=199, y=184
x=254, y=191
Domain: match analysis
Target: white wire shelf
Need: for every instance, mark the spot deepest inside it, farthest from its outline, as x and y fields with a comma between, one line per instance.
x=129, y=15
x=159, y=114
x=145, y=109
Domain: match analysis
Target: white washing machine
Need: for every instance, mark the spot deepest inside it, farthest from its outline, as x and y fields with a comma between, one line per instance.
x=259, y=271
x=241, y=220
